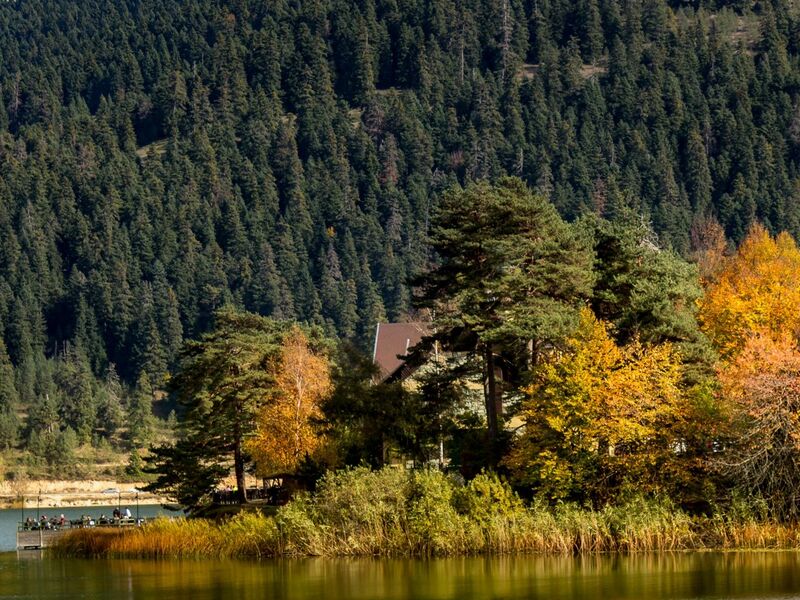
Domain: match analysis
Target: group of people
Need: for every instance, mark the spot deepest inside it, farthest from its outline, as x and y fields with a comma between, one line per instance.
x=118, y=516
x=45, y=523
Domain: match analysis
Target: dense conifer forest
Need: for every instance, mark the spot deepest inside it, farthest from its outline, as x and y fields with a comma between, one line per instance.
x=162, y=159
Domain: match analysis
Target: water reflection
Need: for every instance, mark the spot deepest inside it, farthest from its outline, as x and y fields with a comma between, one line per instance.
x=691, y=575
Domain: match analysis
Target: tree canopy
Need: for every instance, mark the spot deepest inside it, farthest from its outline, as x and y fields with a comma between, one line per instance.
x=161, y=160
x=228, y=378
x=600, y=415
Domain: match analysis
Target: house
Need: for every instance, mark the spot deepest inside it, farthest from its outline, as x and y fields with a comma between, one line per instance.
x=393, y=341
x=404, y=352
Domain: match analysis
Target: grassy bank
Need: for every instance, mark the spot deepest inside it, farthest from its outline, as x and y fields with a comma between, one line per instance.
x=394, y=513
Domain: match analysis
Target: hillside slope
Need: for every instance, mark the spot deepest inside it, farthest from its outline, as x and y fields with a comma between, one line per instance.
x=161, y=159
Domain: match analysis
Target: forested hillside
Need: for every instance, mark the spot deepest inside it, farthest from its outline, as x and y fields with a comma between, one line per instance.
x=160, y=159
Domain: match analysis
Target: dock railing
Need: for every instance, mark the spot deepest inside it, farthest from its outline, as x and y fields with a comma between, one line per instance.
x=40, y=532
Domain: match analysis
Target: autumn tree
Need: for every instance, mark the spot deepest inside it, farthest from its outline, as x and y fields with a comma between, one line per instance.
x=599, y=415
x=285, y=426
x=757, y=292
x=225, y=378
x=761, y=386
x=708, y=246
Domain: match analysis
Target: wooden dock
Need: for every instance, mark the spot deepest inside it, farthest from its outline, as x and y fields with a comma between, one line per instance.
x=38, y=539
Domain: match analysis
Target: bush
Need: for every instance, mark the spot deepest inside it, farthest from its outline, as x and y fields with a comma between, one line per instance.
x=434, y=525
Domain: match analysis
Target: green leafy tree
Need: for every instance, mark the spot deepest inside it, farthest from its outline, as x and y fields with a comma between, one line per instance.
x=368, y=422
x=135, y=464
x=646, y=292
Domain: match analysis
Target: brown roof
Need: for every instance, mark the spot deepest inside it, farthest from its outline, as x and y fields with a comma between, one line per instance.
x=393, y=340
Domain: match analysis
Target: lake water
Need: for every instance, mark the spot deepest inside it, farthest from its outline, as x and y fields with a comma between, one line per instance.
x=10, y=517
x=762, y=575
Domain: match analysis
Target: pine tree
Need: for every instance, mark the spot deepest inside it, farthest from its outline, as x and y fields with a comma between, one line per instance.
x=511, y=277
x=78, y=403
x=140, y=412
x=9, y=402
x=224, y=380
x=167, y=314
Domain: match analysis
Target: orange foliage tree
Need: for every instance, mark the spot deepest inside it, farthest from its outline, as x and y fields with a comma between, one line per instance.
x=599, y=415
x=285, y=432
x=758, y=291
x=762, y=386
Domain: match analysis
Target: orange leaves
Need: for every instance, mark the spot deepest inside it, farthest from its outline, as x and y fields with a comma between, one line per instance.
x=757, y=292
x=285, y=431
x=752, y=314
x=763, y=383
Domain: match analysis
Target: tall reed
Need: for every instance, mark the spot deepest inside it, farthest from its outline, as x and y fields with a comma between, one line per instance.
x=391, y=512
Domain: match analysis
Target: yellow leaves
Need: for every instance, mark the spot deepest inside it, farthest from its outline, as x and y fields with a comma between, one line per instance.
x=630, y=389
x=285, y=431
x=757, y=292
x=599, y=402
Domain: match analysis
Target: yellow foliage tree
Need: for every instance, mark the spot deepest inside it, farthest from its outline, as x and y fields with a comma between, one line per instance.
x=758, y=292
x=598, y=415
x=285, y=431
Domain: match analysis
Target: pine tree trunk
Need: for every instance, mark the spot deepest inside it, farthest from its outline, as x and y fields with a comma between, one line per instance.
x=490, y=394
x=238, y=465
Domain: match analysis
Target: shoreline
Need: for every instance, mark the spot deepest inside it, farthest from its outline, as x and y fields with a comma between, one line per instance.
x=392, y=513
x=254, y=536
x=71, y=493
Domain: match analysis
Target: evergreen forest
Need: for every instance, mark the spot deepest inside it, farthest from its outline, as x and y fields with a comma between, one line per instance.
x=161, y=160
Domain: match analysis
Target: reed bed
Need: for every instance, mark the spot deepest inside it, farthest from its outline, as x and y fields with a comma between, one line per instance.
x=394, y=513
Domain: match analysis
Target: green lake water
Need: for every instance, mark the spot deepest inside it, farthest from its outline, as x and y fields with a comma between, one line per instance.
x=643, y=577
